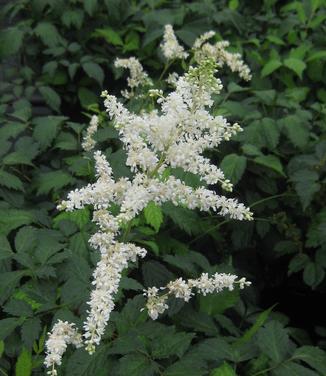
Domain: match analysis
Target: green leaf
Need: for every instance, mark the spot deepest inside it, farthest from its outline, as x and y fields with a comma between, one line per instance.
x=233, y=166
x=296, y=130
x=318, y=55
x=153, y=215
x=94, y=71
x=26, y=239
x=46, y=128
x=270, y=132
x=24, y=364
x=8, y=282
x=313, y=274
x=109, y=35
x=260, y=321
x=306, y=185
x=186, y=219
x=270, y=67
x=10, y=181
x=86, y=97
x=224, y=370
x=5, y=249
x=296, y=65
x=30, y=331
x=48, y=33
x=187, y=366
x=50, y=97
x=17, y=158
x=80, y=217
x=313, y=356
x=53, y=180
x=291, y=368
x=171, y=344
x=137, y=365
x=273, y=341
x=90, y=6
x=270, y=161
x=83, y=364
x=11, y=40
x=2, y=348
x=18, y=308
x=7, y=326
x=213, y=304
x=13, y=218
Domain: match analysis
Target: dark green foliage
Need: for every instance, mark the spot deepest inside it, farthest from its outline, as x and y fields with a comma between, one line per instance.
x=56, y=57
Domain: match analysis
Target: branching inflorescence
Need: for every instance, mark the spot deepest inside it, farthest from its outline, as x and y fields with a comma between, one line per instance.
x=174, y=135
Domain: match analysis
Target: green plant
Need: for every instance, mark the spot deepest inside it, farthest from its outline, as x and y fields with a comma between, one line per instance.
x=277, y=164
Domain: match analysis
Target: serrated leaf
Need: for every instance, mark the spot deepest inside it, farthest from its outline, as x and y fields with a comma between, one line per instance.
x=233, y=166
x=90, y=6
x=270, y=67
x=94, y=71
x=50, y=97
x=260, y=321
x=11, y=40
x=24, y=363
x=18, y=308
x=48, y=33
x=30, y=331
x=270, y=161
x=7, y=326
x=313, y=356
x=270, y=132
x=296, y=130
x=5, y=249
x=171, y=344
x=291, y=368
x=153, y=215
x=186, y=219
x=296, y=65
x=53, y=180
x=224, y=370
x=186, y=367
x=306, y=185
x=273, y=341
x=13, y=218
x=109, y=35
x=46, y=128
x=26, y=239
x=313, y=274
x=80, y=217
x=17, y=158
x=10, y=181
x=213, y=304
x=137, y=365
x=83, y=364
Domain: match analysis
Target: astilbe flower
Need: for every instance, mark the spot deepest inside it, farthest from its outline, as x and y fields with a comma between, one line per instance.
x=138, y=77
x=170, y=46
x=176, y=134
x=157, y=303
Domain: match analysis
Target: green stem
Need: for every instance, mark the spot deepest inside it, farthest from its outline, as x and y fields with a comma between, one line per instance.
x=273, y=367
x=166, y=67
x=270, y=198
x=126, y=232
x=3, y=372
x=208, y=231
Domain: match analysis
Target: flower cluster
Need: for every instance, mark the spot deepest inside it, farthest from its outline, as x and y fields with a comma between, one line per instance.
x=138, y=77
x=170, y=46
x=62, y=335
x=157, y=303
x=218, y=52
x=88, y=143
x=175, y=134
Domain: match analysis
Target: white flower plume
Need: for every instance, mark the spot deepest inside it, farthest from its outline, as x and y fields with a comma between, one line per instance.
x=175, y=134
